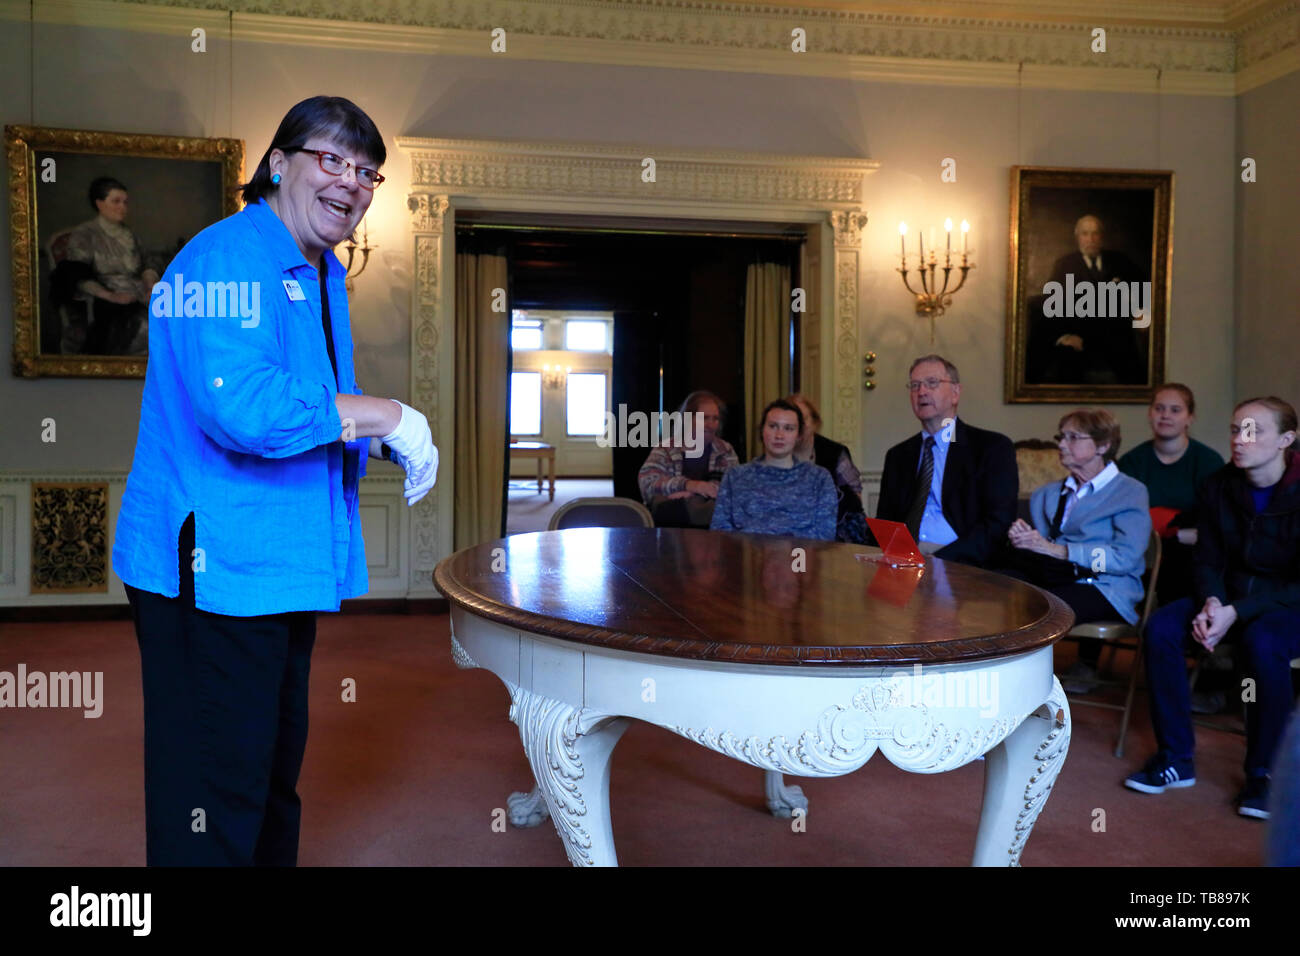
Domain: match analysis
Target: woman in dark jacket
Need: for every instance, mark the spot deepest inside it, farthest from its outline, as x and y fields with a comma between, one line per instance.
x=850, y=519
x=1247, y=588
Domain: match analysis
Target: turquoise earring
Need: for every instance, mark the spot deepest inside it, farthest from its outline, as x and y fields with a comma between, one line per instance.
x=275, y=179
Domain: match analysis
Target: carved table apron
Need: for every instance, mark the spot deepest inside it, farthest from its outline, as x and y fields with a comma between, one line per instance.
x=572, y=698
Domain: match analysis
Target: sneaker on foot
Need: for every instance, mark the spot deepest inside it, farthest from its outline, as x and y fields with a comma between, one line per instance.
x=1253, y=800
x=1161, y=774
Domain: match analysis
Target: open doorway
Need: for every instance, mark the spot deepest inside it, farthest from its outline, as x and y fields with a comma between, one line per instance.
x=670, y=306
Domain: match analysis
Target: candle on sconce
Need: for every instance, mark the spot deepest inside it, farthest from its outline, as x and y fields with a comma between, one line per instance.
x=965, y=235
x=947, y=228
x=920, y=238
x=902, y=238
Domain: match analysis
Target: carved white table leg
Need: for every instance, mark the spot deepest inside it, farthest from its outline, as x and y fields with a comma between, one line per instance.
x=525, y=810
x=569, y=749
x=783, y=798
x=1018, y=776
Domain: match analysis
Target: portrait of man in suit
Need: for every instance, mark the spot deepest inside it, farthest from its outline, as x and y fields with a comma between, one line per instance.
x=1066, y=347
x=1089, y=306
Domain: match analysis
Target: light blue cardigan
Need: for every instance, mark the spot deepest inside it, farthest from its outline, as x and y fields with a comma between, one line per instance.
x=1115, y=520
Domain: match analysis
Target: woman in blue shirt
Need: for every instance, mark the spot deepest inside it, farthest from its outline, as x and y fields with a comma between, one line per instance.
x=239, y=520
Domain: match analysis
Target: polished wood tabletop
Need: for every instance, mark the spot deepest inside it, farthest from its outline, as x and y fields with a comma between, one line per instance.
x=747, y=598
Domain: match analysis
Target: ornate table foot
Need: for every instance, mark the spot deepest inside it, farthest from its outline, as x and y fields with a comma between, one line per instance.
x=782, y=798
x=525, y=810
x=569, y=749
x=1018, y=777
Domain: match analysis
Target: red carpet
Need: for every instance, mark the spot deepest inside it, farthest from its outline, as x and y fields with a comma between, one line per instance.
x=410, y=774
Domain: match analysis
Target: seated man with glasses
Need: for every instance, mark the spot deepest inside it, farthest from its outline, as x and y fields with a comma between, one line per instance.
x=1089, y=536
x=953, y=485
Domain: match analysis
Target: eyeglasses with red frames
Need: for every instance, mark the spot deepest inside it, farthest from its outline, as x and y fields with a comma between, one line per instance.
x=336, y=165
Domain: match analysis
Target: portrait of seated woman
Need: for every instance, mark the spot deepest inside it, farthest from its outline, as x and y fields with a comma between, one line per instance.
x=100, y=284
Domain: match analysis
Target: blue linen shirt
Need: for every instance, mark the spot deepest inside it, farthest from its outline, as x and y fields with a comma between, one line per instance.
x=934, y=526
x=238, y=425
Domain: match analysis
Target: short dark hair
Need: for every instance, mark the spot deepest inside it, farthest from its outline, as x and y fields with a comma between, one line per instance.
x=1188, y=398
x=779, y=403
x=101, y=187
x=334, y=117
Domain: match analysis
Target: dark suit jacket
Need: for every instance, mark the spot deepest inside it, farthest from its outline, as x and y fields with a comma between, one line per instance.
x=980, y=487
x=1113, y=351
x=1115, y=267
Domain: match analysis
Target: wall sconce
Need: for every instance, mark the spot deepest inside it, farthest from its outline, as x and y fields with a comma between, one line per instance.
x=352, y=247
x=554, y=377
x=932, y=299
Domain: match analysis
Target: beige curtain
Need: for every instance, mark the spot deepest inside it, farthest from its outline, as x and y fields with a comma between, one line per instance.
x=482, y=354
x=767, y=341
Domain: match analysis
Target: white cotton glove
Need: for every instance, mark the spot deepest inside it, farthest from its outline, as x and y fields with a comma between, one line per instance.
x=412, y=446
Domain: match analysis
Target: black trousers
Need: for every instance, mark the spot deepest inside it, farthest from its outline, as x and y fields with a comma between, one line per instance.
x=225, y=727
x=1088, y=605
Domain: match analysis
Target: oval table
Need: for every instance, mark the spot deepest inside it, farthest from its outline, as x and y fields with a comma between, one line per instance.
x=795, y=656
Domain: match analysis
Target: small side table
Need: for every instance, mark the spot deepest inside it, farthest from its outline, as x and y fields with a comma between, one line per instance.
x=543, y=453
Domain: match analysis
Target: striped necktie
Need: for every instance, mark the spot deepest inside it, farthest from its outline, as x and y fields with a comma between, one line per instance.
x=924, y=478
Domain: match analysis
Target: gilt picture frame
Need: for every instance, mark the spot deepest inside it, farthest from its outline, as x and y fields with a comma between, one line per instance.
x=1089, y=284
x=94, y=218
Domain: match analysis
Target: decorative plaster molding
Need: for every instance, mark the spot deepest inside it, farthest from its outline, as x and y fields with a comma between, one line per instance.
x=940, y=45
x=427, y=212
x=1268, y=34
x=429, y=227
x=846, y=387
x=848, y=228
x=599, y=170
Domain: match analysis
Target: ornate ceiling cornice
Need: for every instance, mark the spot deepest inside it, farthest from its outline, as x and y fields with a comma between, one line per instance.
x=1210, y=46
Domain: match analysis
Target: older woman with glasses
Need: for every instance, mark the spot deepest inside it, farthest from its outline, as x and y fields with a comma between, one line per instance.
x=1090, y=532
x=240, y=519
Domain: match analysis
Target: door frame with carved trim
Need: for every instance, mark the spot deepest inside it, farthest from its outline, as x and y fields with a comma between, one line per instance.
x=822, y=193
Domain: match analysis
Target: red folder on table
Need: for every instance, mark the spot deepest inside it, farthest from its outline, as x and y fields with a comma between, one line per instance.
x=900, y=550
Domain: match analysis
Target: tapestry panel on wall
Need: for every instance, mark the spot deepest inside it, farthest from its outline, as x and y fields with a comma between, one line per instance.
x=69, y=538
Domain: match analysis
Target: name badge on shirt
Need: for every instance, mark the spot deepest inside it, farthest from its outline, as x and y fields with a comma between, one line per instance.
x=295, y=291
